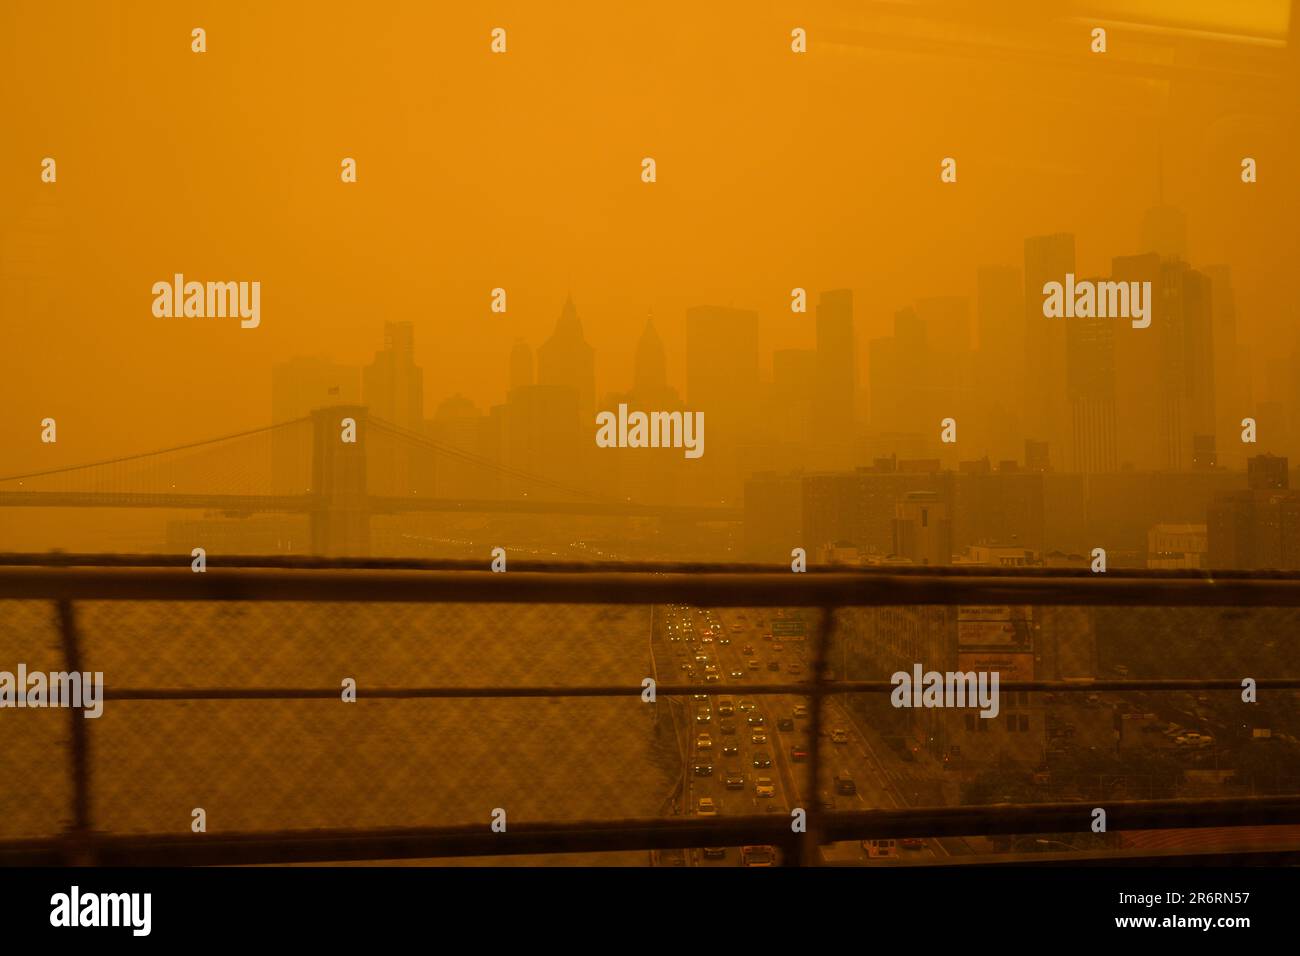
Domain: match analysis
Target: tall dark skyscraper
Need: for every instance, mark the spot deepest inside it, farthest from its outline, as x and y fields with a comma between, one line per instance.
x=1090, y=385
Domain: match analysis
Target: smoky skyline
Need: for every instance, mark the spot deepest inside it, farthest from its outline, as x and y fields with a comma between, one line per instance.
x=774, y=172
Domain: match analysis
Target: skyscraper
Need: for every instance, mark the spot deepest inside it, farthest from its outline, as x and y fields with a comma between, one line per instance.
x=566, y=360
x=393, y=385
x=650, y=374
x=836, y=378
x=1000, y=362
x=722, y=382
x=521, y=365
x=1090, y=385
x=1047, y=415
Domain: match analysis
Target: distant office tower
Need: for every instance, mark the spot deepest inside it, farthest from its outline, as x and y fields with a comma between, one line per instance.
x=1165, y=373
x=722, y=382
x=923, y=529
x=1204, y=453
x=565, y=360
x=1090, y=385
x=947, y=322
x=1267, y=473
x=794, y=383
x=999, y=367
x=650, y=375
x=458, y=425
x=1254, y=530
x=1036, y=456
x=1164, y=232
x=1139, y=372
x=1000, y=316
x=393, y=385
x=836, y=378
x=545, y=439
x=903, y=382
x=1047, y=413
x=1231, y=396
x=521, y=365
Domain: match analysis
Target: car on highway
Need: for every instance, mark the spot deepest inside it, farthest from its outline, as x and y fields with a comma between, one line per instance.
x=763, y=787
x=712, y=678
x=799, y=754
x=758, y=856
x=736, y=629
x=699, y=696
x=724, y=641
x=778, y=646
x=736, y=675
x=912, y=843
x=839, y=736
x=734, y=780
x=706, y=807
x=745, y=705
x=756, y=719
x=753, y=665
x=704, y=742
x=747, y=649
x=727, y=726
x=703, y=715
x=704, y=770
x=758, y=738
x=801, y=710
x=730, y=750
x=762, y=760
x=844, y=783
x=715, y=852
x=785, y=724
x=774, y=665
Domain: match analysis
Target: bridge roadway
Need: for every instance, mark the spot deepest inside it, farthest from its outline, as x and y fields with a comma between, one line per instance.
x=377, y=504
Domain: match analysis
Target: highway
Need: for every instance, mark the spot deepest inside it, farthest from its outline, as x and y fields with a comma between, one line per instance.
x=743, y=762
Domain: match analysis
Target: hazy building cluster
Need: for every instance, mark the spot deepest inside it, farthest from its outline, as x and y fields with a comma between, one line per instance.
x=1073, y=430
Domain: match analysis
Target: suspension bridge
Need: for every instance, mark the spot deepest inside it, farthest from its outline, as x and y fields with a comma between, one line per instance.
x=305, y=466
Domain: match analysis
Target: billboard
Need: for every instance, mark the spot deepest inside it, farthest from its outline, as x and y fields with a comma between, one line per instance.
x=994, y=625
x=1010, y=665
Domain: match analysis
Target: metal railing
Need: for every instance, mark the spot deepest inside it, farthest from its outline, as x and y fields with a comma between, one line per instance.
x=69, y=583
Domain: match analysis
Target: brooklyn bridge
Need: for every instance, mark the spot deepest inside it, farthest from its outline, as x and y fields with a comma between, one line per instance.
x=339, y=476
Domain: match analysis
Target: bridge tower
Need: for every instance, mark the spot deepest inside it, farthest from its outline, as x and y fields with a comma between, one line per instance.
x=340, y=516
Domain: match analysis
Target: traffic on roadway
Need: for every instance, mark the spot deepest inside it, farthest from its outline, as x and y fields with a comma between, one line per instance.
x=749, y=754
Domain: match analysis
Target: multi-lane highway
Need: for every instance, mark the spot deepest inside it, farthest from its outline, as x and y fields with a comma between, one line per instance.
x=751, y=753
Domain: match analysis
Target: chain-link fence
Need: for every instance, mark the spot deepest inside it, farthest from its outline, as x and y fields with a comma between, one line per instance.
x=637, y=716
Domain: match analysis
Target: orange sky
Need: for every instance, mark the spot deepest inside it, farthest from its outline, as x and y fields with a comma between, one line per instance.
x=522, y=171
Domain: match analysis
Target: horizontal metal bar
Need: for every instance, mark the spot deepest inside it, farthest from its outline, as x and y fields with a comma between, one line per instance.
x=661, y=690
x=724, y=589
x=306, y=561
x=625, y=835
